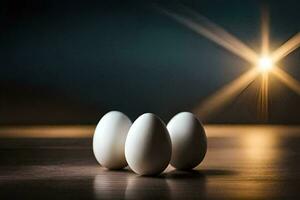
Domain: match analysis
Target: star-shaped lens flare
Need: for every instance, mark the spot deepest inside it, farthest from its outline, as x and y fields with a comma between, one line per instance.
x=263, y=64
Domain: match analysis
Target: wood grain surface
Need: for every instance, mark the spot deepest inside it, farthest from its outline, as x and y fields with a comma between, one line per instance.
x=241, y=163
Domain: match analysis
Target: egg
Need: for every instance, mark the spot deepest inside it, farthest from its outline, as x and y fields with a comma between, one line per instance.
x=189, y=143
x=109, y=140
x=148, y=145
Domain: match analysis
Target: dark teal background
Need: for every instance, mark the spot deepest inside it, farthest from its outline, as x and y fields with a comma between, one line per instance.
x=72, y=61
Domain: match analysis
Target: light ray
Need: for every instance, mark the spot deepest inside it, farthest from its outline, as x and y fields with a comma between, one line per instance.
x=263, y=98
x=288, y=47
x=285, y=78
x=225, y=94
x=265, y=30
x=225, y=35
x=264, y=62
x=215, y=33
x=265, y=65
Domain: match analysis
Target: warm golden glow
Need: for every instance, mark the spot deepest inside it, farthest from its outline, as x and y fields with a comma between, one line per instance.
x=257, y=144
x=285, y=78
x=69, y=131
x=265, y=64
x=265, y=30
x=288, y=47
x=224, y=95
x=213, y=32
x=263, y=101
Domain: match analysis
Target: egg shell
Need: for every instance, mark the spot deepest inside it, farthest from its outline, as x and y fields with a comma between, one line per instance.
x=148, y=145
x=109, y=140
x=189, y=143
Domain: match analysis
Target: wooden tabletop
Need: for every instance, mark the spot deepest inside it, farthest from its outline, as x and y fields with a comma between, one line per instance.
x=241, y=163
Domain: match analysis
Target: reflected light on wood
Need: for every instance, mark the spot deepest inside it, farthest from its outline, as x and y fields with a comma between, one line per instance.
x=242, y=162
x=71, y=131
x=258, y=146
x=87, y=131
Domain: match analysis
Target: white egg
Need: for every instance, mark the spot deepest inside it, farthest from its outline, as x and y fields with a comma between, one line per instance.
x=188, y=141
x=148, y=145
x=109, y=140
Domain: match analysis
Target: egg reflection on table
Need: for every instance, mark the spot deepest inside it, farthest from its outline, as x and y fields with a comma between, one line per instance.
x=109, y=140
x=148, y=145
x=188, y=141
x=152, y=188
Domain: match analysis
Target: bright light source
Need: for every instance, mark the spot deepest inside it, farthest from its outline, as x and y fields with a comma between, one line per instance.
x=265, y=64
